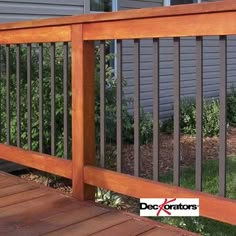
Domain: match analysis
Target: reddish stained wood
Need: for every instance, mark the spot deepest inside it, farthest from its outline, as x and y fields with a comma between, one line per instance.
x=83, y=130
x=190, y=9
x=37, y=160
x=4, y=183
x=172, y=26
x=20, y=187
x=37, y=35
x=44, y=210
x=22, y=196
x=92, y=225
x=211, y=206
x=130, y=227
x=58, y=221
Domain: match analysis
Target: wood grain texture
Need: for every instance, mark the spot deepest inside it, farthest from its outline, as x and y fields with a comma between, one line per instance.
x=21, y=187
x=8, y=182
x=130, y=227
x=37, y=160
x=83, y=130
x=190, y=9
x=171, y=26
x=37, y=35
x=92, y=225
x=58, y=221
x=210, y=205
x=44, y=211
x=22, y=196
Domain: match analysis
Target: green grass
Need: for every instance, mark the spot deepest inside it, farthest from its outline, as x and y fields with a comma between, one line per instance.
x=203, y=225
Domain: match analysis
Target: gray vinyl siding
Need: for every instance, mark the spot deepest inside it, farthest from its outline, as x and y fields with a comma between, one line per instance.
x=135, y=4
x=145, y=57
x=28, y=9
x=211, y=68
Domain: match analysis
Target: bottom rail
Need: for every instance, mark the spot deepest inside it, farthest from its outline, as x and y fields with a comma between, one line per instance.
x=211, y=206
x=37, y=160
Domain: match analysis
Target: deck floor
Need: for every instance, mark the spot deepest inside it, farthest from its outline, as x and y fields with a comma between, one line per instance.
x=31, y=209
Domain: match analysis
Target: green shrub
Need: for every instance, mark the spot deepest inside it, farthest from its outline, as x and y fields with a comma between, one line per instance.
x=231, y=107
x=211, y=111
x=211, y=121
x=146, y=122
x=146, y=128
x=188, y=116
x=110, y=83
x=35, y=99
x=109, y=198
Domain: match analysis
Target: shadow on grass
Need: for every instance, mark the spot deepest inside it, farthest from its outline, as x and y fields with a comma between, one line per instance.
x=210, y=180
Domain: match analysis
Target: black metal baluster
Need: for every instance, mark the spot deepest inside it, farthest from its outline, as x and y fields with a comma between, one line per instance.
x=176, y=110
x=29, y=94
x=119, y=105
x=223, y=121
x=41, y=97
x=136, y=107
x=8, y=118
x=18, y=95
x=199, y=113
x=52, y=49
x=156, y=94
x=102, y=104
x=65, y=88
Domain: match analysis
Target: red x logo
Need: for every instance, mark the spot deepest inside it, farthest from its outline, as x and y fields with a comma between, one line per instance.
x=161, y=207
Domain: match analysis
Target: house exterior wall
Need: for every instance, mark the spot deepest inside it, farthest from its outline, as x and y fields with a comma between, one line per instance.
x=19, y=10
x=211, y=73
x=132, y=4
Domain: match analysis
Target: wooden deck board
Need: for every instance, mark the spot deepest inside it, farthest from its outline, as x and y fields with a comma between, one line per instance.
x=28, y=209
x=130, y=227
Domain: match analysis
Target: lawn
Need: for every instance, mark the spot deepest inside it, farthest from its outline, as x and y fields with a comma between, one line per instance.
x=203, y=225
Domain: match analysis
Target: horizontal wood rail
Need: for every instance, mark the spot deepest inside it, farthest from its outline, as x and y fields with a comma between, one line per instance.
x=37, y=160
x=160, y=12
x=36, y=35
x=176, y=21
x=214, y=207
x=170, y=26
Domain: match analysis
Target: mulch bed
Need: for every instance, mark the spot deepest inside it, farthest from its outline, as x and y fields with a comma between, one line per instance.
x=188, y=150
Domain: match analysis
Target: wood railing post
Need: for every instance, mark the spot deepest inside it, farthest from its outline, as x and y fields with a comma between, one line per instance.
x=83, y=131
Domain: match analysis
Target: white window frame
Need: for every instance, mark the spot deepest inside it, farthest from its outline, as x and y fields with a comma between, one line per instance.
x=114, y=9
x=167, y=2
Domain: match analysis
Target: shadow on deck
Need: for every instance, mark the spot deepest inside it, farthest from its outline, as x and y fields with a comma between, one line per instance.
x=31, y=209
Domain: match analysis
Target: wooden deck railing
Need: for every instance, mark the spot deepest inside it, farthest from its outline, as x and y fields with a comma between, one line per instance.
x=180, y=21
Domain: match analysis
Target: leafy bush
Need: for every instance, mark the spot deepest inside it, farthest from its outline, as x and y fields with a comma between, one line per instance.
x=211, y=122
x=146, y=128
x=231, y=107
x=110, y=101
x=109, y=198
x=211, y=110
x=34, y=97
x=111, y=108
x=127, y=118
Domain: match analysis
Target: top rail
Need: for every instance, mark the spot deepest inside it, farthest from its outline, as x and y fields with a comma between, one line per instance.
x=160, y=12
x=207, y=19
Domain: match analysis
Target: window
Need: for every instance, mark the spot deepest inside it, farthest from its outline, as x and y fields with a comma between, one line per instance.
x=101, y=5
x=178, y=2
